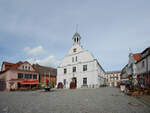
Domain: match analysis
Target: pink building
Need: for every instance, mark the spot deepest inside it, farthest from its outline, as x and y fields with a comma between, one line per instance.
x=18, y=76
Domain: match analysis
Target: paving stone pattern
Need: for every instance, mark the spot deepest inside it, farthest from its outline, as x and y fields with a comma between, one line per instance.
x=102, y=100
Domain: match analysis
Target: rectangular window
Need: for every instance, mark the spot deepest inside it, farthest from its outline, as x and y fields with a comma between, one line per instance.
x=30, y=76
x=43, y=78
x=74, y=50
x=64, y=81
x=84, y=81
x=20, y=75
x=84, y=67
x=143, y=64
x=27, y=76
x=46, y=73
x=72, y=59
x=65, y=71
x=74, y=69
x=76, y=58
x=34, y=76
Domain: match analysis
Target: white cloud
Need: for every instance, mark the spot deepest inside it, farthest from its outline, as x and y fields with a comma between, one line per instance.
x=48, y=61
x=34, y=51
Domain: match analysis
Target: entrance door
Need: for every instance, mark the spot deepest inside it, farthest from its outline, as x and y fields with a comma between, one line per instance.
x=2, y=85
x=64, y=83
x=73, y=83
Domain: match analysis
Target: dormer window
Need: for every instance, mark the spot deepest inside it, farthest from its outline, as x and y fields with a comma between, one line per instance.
x=74, y=50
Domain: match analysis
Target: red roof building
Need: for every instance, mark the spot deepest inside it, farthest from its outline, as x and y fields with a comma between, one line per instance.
x=137, y=57
x=20, y=75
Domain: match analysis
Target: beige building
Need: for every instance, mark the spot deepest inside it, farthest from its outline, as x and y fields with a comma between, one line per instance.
x=112, y=78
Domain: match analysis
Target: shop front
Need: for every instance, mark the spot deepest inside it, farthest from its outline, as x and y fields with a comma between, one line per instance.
x=23, y=84
x=28, y=84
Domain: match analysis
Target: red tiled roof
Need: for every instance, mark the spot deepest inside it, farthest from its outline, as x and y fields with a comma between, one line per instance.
x=137, y=56
x=43, y=69
x=9, y=65
x=15, y=66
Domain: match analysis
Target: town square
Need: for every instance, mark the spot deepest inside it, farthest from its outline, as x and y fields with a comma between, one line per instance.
x=74, y=56
x=102, y=100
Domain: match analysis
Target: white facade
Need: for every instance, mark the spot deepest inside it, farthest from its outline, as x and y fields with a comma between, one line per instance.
x=80, y=66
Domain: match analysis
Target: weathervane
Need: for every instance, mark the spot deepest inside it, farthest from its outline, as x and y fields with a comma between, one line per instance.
x=76, y=27
x=130, y=50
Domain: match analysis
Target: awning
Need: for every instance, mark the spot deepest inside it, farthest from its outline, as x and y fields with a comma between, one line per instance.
x=29, y=82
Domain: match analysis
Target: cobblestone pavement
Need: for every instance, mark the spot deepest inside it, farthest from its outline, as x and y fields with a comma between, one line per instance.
x=102, y=100
x=145, y=99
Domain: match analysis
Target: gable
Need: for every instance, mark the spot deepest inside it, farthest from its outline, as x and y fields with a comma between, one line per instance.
x=83, y=56
x=6, y=66
x=45, y=70
x=75, y=49
x=26, y=66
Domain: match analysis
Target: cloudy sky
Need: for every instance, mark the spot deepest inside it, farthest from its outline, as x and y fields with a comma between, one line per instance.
x=41, y=30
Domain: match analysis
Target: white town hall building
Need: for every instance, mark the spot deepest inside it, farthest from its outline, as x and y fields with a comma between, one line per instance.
x=80, y=67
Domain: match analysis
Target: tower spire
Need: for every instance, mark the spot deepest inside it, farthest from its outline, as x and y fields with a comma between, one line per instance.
x=76, y=27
